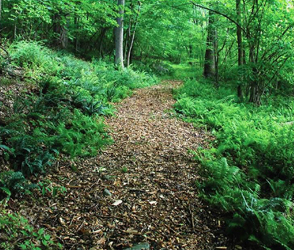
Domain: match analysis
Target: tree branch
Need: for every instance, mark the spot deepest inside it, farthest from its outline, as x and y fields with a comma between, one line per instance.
x=221, y=14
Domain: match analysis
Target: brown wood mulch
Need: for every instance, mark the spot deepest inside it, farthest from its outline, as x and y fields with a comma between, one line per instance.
x=140, y=189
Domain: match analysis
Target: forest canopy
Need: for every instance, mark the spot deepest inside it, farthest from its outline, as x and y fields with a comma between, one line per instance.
x=249, y=42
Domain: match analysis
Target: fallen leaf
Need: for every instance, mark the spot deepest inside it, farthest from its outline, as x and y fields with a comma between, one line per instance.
x=102, y=241
x=131, y=231
x=118, y=202
x=62, y=222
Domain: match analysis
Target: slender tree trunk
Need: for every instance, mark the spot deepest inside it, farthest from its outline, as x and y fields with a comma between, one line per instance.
x=61, y=31
x=209, y=64
x=56, y=28
x=64, y=33
x=133, y=37
x=130, y=49
x=255, y=90
x=14, y=30
x=119, y=35
x=216, y=53
x=0, y=10
x=240, y=47
x=101, y=40
x=64, y=37
x=76, y=40
x=127, y=38
x=0, y=16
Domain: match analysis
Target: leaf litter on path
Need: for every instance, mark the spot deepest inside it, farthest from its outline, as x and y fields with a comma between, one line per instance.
x=149, y=174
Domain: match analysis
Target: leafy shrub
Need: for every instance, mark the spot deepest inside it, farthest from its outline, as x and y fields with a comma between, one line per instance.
x=13, y=182
x=34, y=57
x=62, y=114
x=31, y=151
x=16, y=232
x=81, y=136
x=249, y=169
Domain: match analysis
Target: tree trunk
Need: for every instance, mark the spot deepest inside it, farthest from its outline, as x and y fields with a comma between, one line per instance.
x=76, y=39
x=56, y=28
x=209, y=64
x=255, y=92
x=119, y=35
x=240, y=48
x=130, y=49
x=101, y=40
x=133, y=37
x=61, y=31
x=64, y=36
x=256, y=88
x=0, y=10
x=0, y=16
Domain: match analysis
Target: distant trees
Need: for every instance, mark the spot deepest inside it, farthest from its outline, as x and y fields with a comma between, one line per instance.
x=247, y=43
x=262, y=34
x=78, y=26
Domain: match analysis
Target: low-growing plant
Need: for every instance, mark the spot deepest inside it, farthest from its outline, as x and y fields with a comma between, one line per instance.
x=47, y=188
x=81, y=136
x=248, y=171
x=17, y=233
x=12, y=183
x=62, y=115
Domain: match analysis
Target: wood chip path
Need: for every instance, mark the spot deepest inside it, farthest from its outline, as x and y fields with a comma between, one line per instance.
x=141, y=189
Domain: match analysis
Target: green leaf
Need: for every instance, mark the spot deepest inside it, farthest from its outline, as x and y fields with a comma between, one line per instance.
x=47, y=237
x=6, y=190
x=41, y=231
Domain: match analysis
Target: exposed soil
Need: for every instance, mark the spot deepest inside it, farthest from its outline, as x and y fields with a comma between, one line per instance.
x=140, y=189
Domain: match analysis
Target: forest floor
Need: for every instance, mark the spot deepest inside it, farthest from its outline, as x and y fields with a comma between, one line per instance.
x=141, y=189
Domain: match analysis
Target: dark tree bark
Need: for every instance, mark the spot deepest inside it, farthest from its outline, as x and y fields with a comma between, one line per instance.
x=101, y=40
x=119, y=34
x=256, y=84
x=240, y=46
x=64, y=35
x=61, y=31
x=210, y=62
x=0, y=10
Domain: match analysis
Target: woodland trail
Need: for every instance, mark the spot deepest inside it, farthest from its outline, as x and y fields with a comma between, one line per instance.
x=140, y=189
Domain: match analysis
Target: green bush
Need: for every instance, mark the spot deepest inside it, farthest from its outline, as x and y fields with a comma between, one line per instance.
x=81, y=136
x=13, y=182
x=249, y=169
x=35, y=58
x=63, y=112
x=17, y=233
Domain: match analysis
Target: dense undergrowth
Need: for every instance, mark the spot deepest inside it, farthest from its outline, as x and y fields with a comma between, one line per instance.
x=249, y=169
x=59, y=113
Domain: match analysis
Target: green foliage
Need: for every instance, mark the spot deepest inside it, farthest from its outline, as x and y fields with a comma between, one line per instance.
x=249, y=169
x=29, y=54
x=91, y=83
x=14, y=182
x=47, y=188
x=16, y=232
x=124, y=169
x=63, y=113
x=81, y=136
